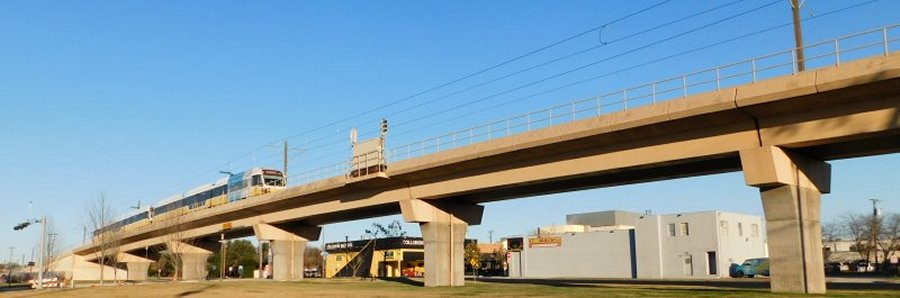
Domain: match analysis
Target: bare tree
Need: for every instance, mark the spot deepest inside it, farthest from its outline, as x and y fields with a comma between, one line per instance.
x=889, y=236
x=355, y=261
x=311, y=257
x=858, y=228
x=394, y=229
x=176, y=243
x=831, y=233
x=101, y=216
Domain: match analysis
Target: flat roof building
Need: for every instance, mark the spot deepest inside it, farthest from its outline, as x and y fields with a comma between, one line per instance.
x=388, y=257
x=621, y=244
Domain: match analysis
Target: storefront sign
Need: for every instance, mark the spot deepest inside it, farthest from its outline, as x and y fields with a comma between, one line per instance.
x=544, y=241
x=413, y=242
x=339, y=245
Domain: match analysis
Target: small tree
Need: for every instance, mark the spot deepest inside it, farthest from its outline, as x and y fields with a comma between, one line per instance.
x=830, y=235
x=889, y=236
x=857, y=228
x=394, y=229
x=311, y=257
x=473, y=256
x=176, y=242
x=100, y=216
x=242, y=253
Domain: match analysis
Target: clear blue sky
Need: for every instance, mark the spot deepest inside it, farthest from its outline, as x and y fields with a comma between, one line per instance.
x=141, y=100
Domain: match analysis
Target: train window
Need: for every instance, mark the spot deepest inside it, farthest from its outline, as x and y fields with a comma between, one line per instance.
x=274, y=181
x=257, y=180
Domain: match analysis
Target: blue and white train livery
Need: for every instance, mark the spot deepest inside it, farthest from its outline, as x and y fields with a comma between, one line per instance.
x=240, y=186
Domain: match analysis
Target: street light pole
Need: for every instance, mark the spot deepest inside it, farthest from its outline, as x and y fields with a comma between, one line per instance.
x=41, y=258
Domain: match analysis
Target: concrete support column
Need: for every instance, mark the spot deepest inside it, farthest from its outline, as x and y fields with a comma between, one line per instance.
x=443, y=227
x=137, y=266
x=288, y=244
x=791, y=186
x=193, y=257
x=193, y=266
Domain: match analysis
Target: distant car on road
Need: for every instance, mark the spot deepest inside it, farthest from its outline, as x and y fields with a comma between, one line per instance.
x=751, y=268
x=836, y=267
x=862, y=266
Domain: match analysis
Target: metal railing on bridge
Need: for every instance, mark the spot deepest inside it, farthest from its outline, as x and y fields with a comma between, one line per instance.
x=823, y=54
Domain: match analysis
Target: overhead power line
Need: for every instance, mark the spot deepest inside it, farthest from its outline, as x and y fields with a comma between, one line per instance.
x=632, y=35
x=564, y=57
x=532, y=83
x=682, y=53
x=429, y=90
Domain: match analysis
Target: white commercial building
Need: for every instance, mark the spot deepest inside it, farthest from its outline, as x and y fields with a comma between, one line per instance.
x=619, y=244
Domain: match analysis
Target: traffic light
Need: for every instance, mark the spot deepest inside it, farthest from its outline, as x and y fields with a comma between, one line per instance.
x=384, y=127
x=22, y=226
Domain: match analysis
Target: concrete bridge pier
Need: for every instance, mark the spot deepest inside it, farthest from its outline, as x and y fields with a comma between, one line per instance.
x=193, y=257
x=791, y=186
x=288, y=244
x=137, y=266
x=443, y=227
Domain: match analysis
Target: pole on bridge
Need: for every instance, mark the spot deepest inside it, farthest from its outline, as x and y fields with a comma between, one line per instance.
x=798, y=35
x=285, y=162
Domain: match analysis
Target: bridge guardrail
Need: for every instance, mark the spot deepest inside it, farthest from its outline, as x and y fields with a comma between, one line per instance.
x=828, y=53
x=822, y=54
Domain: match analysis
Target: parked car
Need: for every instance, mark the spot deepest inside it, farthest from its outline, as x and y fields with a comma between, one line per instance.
x=836, y=267
x=751, y=268
x=862, y=266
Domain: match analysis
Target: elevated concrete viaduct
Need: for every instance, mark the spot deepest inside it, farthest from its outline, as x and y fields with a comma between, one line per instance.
x=781, y=132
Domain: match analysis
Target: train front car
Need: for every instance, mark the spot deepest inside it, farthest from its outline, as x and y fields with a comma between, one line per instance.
x=254, y=182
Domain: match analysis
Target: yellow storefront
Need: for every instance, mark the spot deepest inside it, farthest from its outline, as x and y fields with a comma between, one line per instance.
x=387, y=257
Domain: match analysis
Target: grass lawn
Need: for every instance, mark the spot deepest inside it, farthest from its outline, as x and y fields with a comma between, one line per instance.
x=378, y=288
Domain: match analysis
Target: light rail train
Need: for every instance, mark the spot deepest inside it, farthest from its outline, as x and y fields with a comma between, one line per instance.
x=240, y=186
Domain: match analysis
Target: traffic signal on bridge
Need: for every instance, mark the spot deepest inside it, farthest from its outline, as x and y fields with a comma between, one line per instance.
x=22, y=226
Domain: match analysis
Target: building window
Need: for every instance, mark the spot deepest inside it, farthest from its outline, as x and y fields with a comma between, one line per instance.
x=740, y=229
x=723, y=226
x=685, y=231
x=754, y=230
x=671, y=230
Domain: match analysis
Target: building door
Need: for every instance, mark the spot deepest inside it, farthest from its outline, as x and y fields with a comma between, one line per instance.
x=711, y=261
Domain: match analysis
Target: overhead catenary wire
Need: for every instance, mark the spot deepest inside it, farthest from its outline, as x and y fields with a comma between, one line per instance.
x=532, y=83
x=682, y=53
x=427, y=91
x=492, y=67
x=596, y=62
x=625, y=37
x=555, y=60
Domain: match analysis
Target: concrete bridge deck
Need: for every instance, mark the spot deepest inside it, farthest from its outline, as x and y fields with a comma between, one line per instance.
x=779, y=131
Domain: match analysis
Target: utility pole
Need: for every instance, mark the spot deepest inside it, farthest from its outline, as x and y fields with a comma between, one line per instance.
x=9, y=264
x=798, y=35
x=222, y=252
x=285, y=162
x=52, y=239
x=41, y=259
x=491, y=236
x=873, y=244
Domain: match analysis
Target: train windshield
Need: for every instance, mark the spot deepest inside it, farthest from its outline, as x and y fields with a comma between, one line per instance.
x=273, y=178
